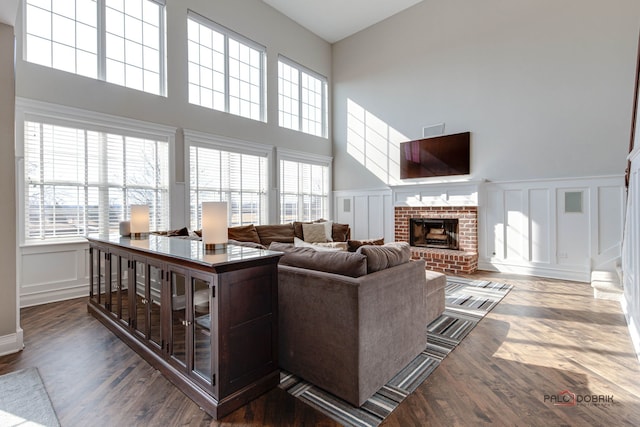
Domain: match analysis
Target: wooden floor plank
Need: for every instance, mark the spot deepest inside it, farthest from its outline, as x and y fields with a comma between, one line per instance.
x=546, y=336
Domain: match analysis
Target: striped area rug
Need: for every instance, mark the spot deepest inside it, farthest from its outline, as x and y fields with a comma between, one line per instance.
x=466, y=303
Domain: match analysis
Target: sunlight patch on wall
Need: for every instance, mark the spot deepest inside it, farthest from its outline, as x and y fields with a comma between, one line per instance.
x=374, y=143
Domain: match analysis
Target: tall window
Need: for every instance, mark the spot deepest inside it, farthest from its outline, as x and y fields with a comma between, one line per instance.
x=127, y=47
x=304, y=191
x=226, y=70
x=81, y=180
x=239, y=179
x=302, y=99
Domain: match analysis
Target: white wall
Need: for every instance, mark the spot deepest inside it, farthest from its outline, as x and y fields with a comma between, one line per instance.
x=10, y=331
x=544, y=86
x=251, y=18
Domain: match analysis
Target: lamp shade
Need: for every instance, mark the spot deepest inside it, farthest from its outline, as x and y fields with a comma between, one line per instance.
x=214, y=225
x=139, y=221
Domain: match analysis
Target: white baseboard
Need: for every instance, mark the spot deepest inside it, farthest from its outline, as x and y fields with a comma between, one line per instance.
x=45, y=297
x=11, y=343
x=551, y=273
x=631, y=325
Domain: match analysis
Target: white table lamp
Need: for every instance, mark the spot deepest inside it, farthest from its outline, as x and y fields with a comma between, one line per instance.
x=214, y=226
x=139, y=221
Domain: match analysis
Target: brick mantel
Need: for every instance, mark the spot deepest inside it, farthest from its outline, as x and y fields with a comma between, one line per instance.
x=464, y=260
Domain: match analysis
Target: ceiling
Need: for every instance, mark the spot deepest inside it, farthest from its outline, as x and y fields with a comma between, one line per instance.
x=334, y=20
x=8, y=11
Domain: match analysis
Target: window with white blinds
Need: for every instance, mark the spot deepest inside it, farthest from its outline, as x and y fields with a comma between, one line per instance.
x=239, y=179
x=304, y=191
x=81, y=180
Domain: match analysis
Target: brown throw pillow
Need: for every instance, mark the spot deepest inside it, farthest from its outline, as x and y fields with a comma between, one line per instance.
x=355, y=244
x=244, y=233
x=340, y=232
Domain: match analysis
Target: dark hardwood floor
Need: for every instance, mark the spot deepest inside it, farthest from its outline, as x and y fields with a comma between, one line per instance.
x=545, y=337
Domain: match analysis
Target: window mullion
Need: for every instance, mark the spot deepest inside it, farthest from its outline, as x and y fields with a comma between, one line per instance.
x=102, y=40
x=227, y=104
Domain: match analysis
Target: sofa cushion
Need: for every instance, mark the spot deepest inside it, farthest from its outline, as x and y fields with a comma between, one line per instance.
x=327, y=246
x=244, y=233
x=317, y=233
x=275, y=233
x=385, y=256
x=338, y=262
x=355, y=244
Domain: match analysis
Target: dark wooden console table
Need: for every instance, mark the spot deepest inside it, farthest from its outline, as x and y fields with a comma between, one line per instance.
x=207, y=321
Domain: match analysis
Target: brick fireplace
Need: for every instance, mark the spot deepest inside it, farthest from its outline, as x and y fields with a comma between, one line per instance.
x=465, y=259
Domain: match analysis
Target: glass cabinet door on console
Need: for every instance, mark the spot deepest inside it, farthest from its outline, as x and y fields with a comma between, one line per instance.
x=202, y=344
x=146, y=300
x=118, y=299
x=99, y=275
x=178, y=348
x=190, y=321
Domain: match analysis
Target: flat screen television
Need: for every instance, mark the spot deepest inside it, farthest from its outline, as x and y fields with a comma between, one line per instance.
x=436, y=156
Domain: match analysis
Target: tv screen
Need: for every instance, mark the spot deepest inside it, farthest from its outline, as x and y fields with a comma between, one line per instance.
x=437, y=156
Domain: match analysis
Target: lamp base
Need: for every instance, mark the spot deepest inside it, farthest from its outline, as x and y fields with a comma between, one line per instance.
x=215, y=247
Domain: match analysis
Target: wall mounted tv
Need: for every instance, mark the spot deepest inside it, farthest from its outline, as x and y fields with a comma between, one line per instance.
x=436, y=156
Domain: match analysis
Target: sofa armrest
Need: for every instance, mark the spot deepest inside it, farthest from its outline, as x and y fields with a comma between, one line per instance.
x=351, y=335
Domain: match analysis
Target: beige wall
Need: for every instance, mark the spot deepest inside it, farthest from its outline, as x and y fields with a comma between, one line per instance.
x=8, y=305
x=544, y=86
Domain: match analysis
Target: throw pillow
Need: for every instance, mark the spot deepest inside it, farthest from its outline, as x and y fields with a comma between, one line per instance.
x=355, y=244
x=340, y=232
x=244, y=233
x=317, y=233
x=385, y=256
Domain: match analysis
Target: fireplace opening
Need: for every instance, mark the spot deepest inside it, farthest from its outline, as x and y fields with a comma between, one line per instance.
x=434, y=233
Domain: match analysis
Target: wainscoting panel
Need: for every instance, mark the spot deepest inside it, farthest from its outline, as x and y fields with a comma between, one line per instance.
x=369, y=213
x=539, y=225
x=630, y=260
x=53, y=272
x=562, y=225
x=561, y=228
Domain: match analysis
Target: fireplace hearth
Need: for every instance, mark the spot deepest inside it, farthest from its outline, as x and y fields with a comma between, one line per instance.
x=434, y=233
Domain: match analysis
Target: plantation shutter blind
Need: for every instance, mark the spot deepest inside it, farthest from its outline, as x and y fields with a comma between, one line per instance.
x=81, y=180
x=236, y=178
x=304, y=191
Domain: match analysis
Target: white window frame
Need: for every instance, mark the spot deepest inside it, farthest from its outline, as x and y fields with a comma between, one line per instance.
x=230, y=34
x=308, y=158
x=101, y=60
x=301, y=69
x=216, y=142
x=30, y=110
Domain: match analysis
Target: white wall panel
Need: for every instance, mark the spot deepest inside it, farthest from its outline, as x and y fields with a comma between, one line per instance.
x=539, y=226
x=53, y=272
x=610, y=212
x=515, y=225
x=573, y=229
